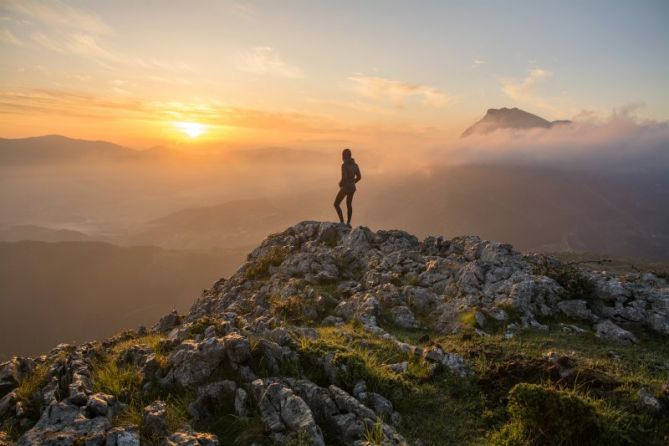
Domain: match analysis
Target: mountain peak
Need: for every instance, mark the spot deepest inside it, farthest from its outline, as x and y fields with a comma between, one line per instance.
x=509, y=118
x=332, y=335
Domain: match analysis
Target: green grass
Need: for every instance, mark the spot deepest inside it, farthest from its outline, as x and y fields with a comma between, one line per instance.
x=33, y=383
x=454, y=405
x=237, y=431
x=28, y=394
x=542, y=415
x=122, y=381
x=125, y=381
x=364, y=357
x=513, y=398
x=447, y=410
x=374, y=434
x=502, y=363
x=290, y=308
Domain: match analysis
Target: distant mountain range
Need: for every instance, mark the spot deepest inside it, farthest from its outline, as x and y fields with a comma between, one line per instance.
x=61, y=149
x=509, y=118
x=57, y=149
x=40, y=233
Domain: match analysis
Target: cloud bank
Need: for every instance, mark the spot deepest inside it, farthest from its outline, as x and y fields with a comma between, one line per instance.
x=622, y=139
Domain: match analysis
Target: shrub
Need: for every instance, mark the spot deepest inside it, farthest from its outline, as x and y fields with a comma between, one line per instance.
x=572, y=279
x=468, y=318
x=545, y=416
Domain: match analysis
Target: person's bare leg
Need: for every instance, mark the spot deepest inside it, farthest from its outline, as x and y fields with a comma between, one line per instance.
x=349, y=207
x=338, y=199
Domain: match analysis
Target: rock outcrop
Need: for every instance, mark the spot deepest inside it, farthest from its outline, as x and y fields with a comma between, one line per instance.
x=238, y=351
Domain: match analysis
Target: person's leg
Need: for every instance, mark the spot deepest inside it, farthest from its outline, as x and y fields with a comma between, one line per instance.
x=338, y=199
x=349, y=207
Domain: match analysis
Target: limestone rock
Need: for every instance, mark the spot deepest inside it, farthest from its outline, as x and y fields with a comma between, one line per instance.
x=237, y=348
x=609, y=331
x=211, y=399
x=576, y=309
x=63, y=423
x=12, y=372
x=194, y=362
x=188, y=437
x=404, y=318
x=648, y=401
x=154, y=417
x=123, y=436
x=167, y=322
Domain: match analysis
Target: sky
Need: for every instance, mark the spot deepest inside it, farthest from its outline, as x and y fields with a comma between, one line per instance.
x=303, y=73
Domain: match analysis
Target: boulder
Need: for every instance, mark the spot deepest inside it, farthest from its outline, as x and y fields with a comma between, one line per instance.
x=123, y=436
x=7, y=404
x=154, y=417
x=64, y=424
x=212, y=399
x=648, y=402
x=576, y=309
x=404, y=318
x=237, y=348
x=283, y=411
x=167, y=322
x=12, y=373
x=188, y=437
x=609, y=331
x=101, y=405
x=192, y=362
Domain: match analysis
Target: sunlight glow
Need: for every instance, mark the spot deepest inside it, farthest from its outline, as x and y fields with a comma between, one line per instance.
x=192, y=129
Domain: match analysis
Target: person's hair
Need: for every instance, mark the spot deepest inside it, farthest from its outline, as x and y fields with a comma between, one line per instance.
x=346, y=154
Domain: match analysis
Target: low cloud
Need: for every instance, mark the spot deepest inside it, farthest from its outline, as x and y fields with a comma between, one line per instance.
x=266, y=60
x=397, y=92
x=621, y=138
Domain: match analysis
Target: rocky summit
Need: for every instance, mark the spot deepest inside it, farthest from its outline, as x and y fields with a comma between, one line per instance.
x=510, y=118
x=328, y=335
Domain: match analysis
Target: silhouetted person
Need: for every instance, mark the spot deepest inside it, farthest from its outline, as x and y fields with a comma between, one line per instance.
x=350, y=174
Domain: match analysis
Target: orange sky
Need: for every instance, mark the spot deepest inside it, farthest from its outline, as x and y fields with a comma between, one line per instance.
x=303, y=73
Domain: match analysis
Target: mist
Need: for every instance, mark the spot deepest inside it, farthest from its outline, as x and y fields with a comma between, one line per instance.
x=621, y=139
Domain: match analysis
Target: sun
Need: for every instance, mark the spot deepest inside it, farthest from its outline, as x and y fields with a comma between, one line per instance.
x=192, y=129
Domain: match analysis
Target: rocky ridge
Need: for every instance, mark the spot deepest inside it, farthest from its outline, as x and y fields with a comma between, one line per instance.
x=240, y=351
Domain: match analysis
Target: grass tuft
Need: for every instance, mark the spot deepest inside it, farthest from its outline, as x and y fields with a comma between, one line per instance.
x=259, y=268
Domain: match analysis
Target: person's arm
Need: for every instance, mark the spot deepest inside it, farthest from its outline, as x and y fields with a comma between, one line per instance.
x=358, y=175
x=341, y=182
